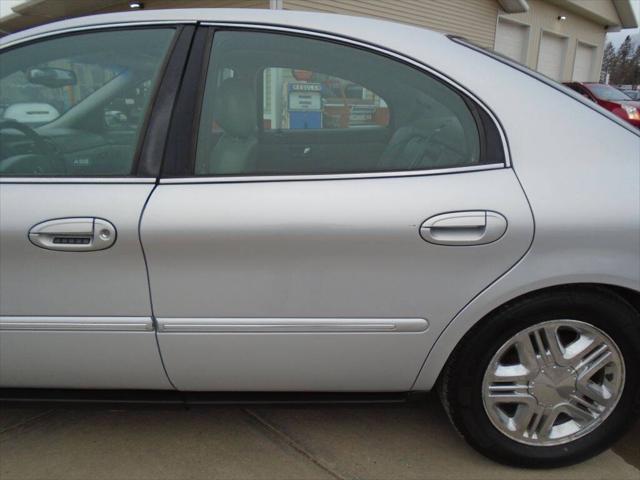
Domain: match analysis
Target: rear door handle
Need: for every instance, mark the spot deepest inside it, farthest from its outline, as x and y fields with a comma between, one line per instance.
x=475, y=227
x=75, y=234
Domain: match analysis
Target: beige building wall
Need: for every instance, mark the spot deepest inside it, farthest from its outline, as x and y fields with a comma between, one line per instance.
x=603, y=9
x=543, y=17
x=473, y=19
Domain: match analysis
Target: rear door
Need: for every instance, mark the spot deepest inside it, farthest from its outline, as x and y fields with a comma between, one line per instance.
x=337, y=275
x=74, y=301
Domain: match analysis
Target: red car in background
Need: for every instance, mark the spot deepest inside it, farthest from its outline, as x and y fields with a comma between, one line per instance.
x=610, y=98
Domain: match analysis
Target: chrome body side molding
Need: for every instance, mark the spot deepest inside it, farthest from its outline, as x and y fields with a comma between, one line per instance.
x=80, y=324
x=292, y=325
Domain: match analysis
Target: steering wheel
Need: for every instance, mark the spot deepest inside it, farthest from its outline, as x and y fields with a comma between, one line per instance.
x=44, y=150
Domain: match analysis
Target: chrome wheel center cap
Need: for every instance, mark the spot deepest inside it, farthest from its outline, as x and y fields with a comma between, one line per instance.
x=553, y=385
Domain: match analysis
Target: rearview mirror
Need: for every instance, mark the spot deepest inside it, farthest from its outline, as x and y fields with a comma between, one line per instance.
x=51, y=77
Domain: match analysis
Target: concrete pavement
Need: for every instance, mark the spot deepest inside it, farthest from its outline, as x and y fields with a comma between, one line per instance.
x=311, y=442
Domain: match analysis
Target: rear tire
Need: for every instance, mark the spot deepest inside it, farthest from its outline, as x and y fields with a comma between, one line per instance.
x=468, y=388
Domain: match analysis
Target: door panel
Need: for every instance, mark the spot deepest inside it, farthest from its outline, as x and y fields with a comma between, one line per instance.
x=333, y=249
x=39, y=282
x=121, y=357
x=105, y=337
x=293, y=361
x=75, y=310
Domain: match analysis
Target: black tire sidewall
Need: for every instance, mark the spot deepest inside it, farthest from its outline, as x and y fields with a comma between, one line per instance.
x=617, y=319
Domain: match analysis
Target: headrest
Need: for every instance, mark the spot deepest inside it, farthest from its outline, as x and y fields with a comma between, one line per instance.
x=235, y=108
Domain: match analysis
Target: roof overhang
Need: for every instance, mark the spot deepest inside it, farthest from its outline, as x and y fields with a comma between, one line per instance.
x=514, y=6
x=625, y=11
x=620, y=16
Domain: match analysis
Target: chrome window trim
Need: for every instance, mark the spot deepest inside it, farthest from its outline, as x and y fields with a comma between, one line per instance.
x=80, y=180
x=329, y=176
x=97, y=26
x=375, y=48
x=76, y=324
x=292, y=325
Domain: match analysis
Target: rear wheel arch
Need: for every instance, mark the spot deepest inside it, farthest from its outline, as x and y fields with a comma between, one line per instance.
x=441, y=353
x=622, y=294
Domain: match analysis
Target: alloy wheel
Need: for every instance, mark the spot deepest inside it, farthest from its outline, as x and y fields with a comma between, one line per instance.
x=553, y=382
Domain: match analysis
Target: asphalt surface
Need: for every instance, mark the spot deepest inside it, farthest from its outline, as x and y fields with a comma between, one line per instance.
x=309, y=442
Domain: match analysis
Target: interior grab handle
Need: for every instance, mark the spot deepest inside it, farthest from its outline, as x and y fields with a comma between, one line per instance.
x=75, y=234
x=474, y=227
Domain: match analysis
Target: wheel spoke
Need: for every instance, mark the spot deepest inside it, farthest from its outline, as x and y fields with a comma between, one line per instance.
x=555, y=351
x=579, y=401
x=504, y=388
x=546, y=424
x=528, y=419
x=526, y=353
x=544, y=359
x=598, y=394
x=594, y=362
x=548, y=346
x=511, y=373
x=578, y=414
x=504, y=398
x=577, y=351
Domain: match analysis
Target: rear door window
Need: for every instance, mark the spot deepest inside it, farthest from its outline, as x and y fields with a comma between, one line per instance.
x=287, y=104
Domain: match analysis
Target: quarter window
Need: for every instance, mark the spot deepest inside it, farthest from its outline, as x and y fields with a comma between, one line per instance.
x=74, y=105
x=285, y=104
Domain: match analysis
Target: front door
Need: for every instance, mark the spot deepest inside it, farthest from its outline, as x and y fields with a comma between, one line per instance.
x=74, y=301
x=276, y=265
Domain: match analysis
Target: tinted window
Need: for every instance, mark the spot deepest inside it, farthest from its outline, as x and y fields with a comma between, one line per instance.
x=605, y=92
x=280, y=104
x=74, y=105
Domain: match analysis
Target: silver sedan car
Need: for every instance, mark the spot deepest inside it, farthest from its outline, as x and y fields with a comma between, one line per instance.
x=299, y=202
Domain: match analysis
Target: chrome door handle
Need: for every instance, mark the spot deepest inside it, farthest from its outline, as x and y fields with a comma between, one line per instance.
x=76, y=234
x=476, y=227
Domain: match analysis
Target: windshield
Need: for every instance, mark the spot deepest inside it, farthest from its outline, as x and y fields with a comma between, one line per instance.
x=606, y=92
x=41, y=81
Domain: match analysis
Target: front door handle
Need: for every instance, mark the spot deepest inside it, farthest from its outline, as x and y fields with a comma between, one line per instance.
x=475, y=227
x=76, y=234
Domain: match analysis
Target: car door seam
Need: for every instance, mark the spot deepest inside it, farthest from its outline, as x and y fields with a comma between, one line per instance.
x=493, y=282
x=146, y=268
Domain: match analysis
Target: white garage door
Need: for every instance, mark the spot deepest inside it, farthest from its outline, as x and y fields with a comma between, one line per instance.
x=551, y=55
x=512, y=39
x=583, y=65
